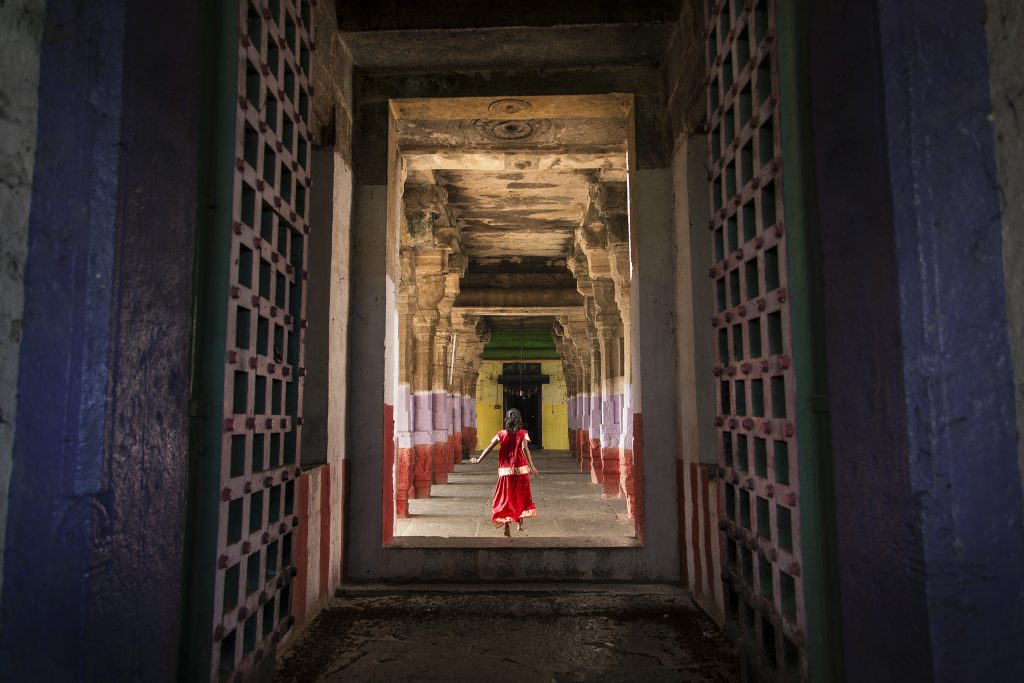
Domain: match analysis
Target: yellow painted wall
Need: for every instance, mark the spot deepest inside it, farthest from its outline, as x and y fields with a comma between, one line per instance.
x=554, y=409
x=488, y=402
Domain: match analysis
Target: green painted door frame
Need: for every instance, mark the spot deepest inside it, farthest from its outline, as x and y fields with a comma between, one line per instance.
x=206, y=390
x=820, y=564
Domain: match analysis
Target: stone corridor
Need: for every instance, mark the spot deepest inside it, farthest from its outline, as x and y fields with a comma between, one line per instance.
x=507, y=223
x=525, y=632
x=571, y=510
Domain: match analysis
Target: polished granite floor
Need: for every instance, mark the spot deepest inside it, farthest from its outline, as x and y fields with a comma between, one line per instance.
x=570, y=509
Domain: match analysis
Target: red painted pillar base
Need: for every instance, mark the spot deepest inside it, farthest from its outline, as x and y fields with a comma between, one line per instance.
x=441, y=460
x=456, y=449
x=638, y=476
x=390, y=498
x=596, y=463
x=471, y=445
x=583, y=439
x=403, y=481
x=627, y=481
x=610, y=461
x=423, y=459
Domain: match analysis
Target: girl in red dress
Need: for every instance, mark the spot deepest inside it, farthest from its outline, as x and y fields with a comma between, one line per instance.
x=512, y=499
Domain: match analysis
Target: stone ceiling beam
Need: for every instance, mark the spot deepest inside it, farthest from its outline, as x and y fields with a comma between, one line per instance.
x=612, y=105
x=520, y=311
x=518, y=298
x=499, y=160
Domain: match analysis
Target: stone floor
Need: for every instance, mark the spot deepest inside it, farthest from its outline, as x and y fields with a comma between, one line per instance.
x=568, y=507
x=511, y=633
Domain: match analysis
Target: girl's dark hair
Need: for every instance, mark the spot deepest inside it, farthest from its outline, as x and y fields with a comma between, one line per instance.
x=513, y=421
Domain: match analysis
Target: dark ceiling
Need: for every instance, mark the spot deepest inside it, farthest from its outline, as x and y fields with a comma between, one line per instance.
x=409, y=15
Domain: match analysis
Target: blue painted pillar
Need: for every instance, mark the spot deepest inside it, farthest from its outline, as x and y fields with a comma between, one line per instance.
x=94, y=557
x=930, y=536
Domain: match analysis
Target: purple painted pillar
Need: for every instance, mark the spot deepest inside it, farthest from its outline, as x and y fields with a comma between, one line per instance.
x=928, y=496
x=94, y=560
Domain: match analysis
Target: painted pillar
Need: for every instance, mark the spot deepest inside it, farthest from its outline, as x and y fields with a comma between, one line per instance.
x=928, y=527
x=95, y=560
x=455, y=408
x=596, y=407
x=609, y=333
x=628, y=466
x=404, y=410
x=468, y=406
x=568, y=372
x=583, y=400
x=422, y=408
x=439, y=403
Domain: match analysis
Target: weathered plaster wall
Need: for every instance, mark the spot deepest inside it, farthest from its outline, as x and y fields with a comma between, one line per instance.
x=320, y=494
x=1005, y=29
x=95, y=534
x=693, y=303
x=553, y=404
x=21, y=31
x=697, y=450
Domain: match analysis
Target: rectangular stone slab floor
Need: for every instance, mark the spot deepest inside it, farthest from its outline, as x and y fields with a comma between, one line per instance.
x=570, y=509
x=534, y=632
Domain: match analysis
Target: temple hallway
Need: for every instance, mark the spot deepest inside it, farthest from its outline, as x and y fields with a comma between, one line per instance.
x=532, y=632
x=570, y=510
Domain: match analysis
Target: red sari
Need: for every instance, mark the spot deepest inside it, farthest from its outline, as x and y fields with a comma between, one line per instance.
x=512, y=497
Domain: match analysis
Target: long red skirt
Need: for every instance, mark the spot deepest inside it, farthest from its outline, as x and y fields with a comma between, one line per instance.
x=512, y=499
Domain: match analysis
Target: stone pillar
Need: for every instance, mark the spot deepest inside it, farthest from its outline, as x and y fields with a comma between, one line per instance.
x=404, y=414
x=439, y=394
x=608, y=327
x=468, y=330
x=602, y=252
x=475, y=356
x=596, y=396
x=455, y=396
x=430, y=287
x=433, y=236
x=423, y=417
x=631, y=468
x=560, y=347
x=576, y=328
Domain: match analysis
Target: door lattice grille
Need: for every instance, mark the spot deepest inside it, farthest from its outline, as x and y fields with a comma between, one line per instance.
x=758, y=500
x=265, y=321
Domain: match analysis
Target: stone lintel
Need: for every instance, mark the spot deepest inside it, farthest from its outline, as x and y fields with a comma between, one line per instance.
x=515, y=161
x=517, y=310
x=523, y=298
x=575, y=106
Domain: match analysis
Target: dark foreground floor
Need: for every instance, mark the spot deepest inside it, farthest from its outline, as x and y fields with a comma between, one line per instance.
x=620, y=633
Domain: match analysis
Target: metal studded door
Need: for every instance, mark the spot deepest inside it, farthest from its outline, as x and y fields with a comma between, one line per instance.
x=758, y=502
x=264, y=338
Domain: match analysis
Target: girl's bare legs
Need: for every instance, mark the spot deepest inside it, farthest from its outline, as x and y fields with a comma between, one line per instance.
x=508, y=530
x=522, y=525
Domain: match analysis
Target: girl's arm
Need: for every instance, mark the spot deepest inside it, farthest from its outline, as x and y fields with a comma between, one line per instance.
x=526, y=450
x=486, y=450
